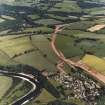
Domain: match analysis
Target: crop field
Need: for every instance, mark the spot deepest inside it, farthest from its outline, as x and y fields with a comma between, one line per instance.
x=65, y=7
x=36, y=60
x=43, y=44
x=46, y=99
x=97, y=11
x=7, y=17
x=6, y=60
x=41, y=99
x=25, y=35
x=68, y=43
x=38, y=30
x=95, y=62
x=34, y=16
x=1, y=20
x=48, y=22
x=16, y=46
x=6, y=84
x=36, y=52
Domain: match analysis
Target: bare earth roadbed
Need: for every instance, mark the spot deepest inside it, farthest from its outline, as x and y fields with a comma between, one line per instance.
x=80, y=64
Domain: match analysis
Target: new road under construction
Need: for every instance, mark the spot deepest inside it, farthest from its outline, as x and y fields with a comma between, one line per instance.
x=79, y=64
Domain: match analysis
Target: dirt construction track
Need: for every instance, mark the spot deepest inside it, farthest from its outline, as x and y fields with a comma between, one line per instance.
x=71, y=63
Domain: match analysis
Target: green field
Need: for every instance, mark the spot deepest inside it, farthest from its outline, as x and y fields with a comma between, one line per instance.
x=25, y=35
x=6, y=83
x=66, y=7
x=37, y=52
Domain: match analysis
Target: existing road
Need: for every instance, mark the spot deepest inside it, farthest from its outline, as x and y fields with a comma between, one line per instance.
x=71, y=63
x=35, y=91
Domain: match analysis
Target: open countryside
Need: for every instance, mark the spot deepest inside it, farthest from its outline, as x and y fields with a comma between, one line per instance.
x=52, y=52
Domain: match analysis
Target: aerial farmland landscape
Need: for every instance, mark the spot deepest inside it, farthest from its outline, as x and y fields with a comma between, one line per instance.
x=52, y=52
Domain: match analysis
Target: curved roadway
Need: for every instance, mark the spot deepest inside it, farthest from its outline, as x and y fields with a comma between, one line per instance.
x=35, y=91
